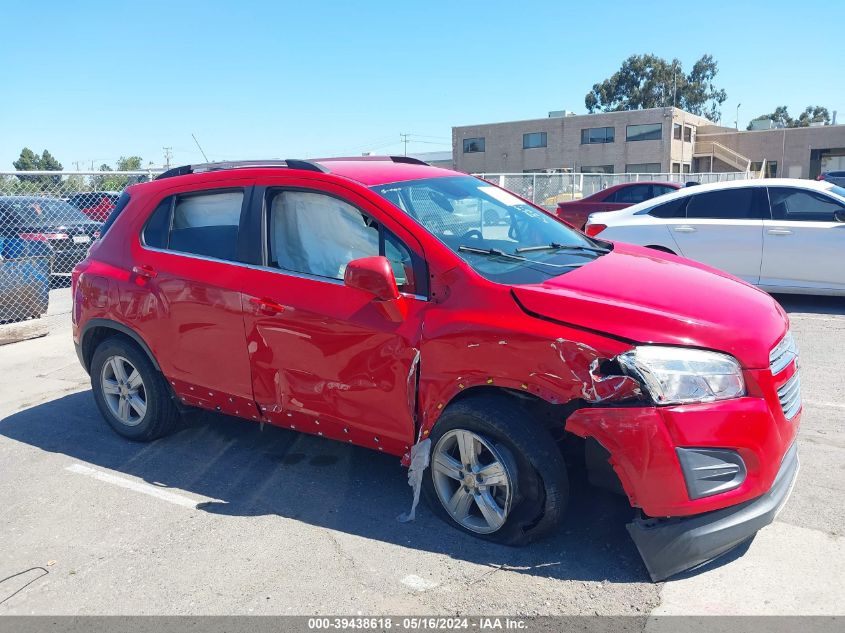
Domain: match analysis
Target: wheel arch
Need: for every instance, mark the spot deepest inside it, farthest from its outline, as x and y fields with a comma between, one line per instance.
x=98, y=330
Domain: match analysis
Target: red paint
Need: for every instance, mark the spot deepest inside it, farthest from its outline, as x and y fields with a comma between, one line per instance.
x=576, y=212
x=357, y=361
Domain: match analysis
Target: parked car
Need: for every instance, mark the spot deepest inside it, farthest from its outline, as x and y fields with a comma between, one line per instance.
x=784, y=235
x=576, y=212
x=24, y=279
x=95, y=204
x=343, y=298
x=834, y=177
x=62, y=228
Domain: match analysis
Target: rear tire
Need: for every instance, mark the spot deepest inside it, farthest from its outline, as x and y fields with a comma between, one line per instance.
x=531, y=502
x=130, y=392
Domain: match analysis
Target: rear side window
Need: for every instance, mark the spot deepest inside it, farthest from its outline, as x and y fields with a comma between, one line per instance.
x=632, y=194
x=200, y=224
x=122, y=201
x=672, y=209
x=727, y=204
x=802, y=205
x=659, y=190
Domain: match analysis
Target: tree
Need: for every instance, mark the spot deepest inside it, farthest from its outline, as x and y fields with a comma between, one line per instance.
x=781, y=118
x=118, y=182
x=30, y=161
x=813, y=114
x=648, y=81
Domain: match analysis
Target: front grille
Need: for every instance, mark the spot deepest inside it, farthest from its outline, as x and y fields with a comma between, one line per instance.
x=783, y=354
x=789, y=394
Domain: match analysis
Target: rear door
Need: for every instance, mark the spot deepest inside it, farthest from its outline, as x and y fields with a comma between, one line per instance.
x=803, y=245
x=183, y=296
x=723, y=229
x=327, y=359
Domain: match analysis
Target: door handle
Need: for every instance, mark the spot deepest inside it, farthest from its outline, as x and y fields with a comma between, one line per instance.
x=685, y=229
x=779, y=232
x=267, y=305
x=145, y=272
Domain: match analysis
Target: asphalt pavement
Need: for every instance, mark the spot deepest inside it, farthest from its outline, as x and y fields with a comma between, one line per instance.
x=227, y=518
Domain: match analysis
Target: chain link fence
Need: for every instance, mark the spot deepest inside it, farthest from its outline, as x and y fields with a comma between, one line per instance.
x=49, y=219
x=47, y=223
x=547, y=189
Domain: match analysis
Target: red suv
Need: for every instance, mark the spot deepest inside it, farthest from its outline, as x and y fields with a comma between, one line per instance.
x=368, y=300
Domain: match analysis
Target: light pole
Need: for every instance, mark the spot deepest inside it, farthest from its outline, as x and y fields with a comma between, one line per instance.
x=736, y=122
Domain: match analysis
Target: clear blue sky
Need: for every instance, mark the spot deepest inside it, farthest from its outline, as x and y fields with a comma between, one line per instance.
x=92, y=81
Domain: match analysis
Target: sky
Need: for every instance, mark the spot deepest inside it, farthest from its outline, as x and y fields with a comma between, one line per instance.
x=93, y=81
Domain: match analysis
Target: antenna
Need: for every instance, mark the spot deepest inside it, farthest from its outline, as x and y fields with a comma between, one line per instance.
x=200, y=148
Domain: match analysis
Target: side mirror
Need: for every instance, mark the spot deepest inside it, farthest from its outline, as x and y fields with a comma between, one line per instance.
x=374, y=276
x=839, y=216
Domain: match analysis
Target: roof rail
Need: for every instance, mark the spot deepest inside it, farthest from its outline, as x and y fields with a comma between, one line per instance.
x=368, y=158
x=290, y=163
x=408, y=159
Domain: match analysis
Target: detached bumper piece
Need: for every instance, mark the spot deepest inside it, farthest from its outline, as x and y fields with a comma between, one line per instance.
x=670, y=546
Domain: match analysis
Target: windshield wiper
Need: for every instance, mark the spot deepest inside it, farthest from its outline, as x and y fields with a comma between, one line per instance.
x=489, y=251
x=554, y=246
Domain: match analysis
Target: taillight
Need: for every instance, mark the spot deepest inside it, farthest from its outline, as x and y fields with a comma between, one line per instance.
x=43, y=237
x=594, y=229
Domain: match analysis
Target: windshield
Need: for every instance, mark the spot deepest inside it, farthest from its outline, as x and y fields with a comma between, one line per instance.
x=43, y=211
x=500, y=236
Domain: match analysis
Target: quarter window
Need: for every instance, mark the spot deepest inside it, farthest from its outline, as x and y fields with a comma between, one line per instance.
x=671, y=209
x=728, y=204
x=597, y=135
x=646, y=132
x=533, y=139
x=473, y=145
x=201, y=224
x=802, y=205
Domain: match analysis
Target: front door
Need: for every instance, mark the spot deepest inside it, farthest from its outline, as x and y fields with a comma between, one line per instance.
x=328, y=359
x=803, y=245
x=723, y=229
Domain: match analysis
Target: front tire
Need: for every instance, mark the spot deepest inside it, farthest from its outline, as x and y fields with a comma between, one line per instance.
x=130, y=393
x=495, y=473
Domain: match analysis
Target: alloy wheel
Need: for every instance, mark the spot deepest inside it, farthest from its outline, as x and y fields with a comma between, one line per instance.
x=473, y=480
x=123, y=390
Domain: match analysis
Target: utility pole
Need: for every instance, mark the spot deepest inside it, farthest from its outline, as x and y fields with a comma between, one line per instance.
x=404, y=138
x=736, y=123
x=77, y=162
x=168, y=154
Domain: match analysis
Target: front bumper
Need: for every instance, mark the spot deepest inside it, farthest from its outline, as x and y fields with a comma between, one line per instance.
x=669, y=546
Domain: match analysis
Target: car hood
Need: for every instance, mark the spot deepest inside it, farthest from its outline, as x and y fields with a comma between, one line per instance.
x=645, y=296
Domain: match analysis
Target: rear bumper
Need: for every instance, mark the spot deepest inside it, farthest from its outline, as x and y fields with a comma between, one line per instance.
x=670, y=546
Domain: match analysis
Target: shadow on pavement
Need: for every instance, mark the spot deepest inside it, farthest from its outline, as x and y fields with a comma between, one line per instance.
x=812, y=304
x=326, y=484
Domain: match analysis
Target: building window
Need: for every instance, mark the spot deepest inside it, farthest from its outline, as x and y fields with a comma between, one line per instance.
x=676, y=168
x=646, y=132
x=687, y=134
x=642, y=168
x=472, y=145
x=771, y=168
x=676, y=131
x=596, y=169
x=597, y=135
x=686, y=168
x=533, y=139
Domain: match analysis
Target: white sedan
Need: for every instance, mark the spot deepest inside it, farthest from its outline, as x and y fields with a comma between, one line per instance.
x=782, y=234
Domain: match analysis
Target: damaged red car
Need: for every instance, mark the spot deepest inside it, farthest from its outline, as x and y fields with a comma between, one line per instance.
x=370, y=301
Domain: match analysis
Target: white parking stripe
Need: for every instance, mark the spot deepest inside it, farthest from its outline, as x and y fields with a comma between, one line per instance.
x=137, y=486
x=832, y=405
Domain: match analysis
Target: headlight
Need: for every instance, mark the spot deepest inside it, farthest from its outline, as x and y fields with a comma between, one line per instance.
x=677, y=375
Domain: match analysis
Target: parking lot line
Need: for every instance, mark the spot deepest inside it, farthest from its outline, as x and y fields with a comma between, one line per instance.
x=137, y=486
